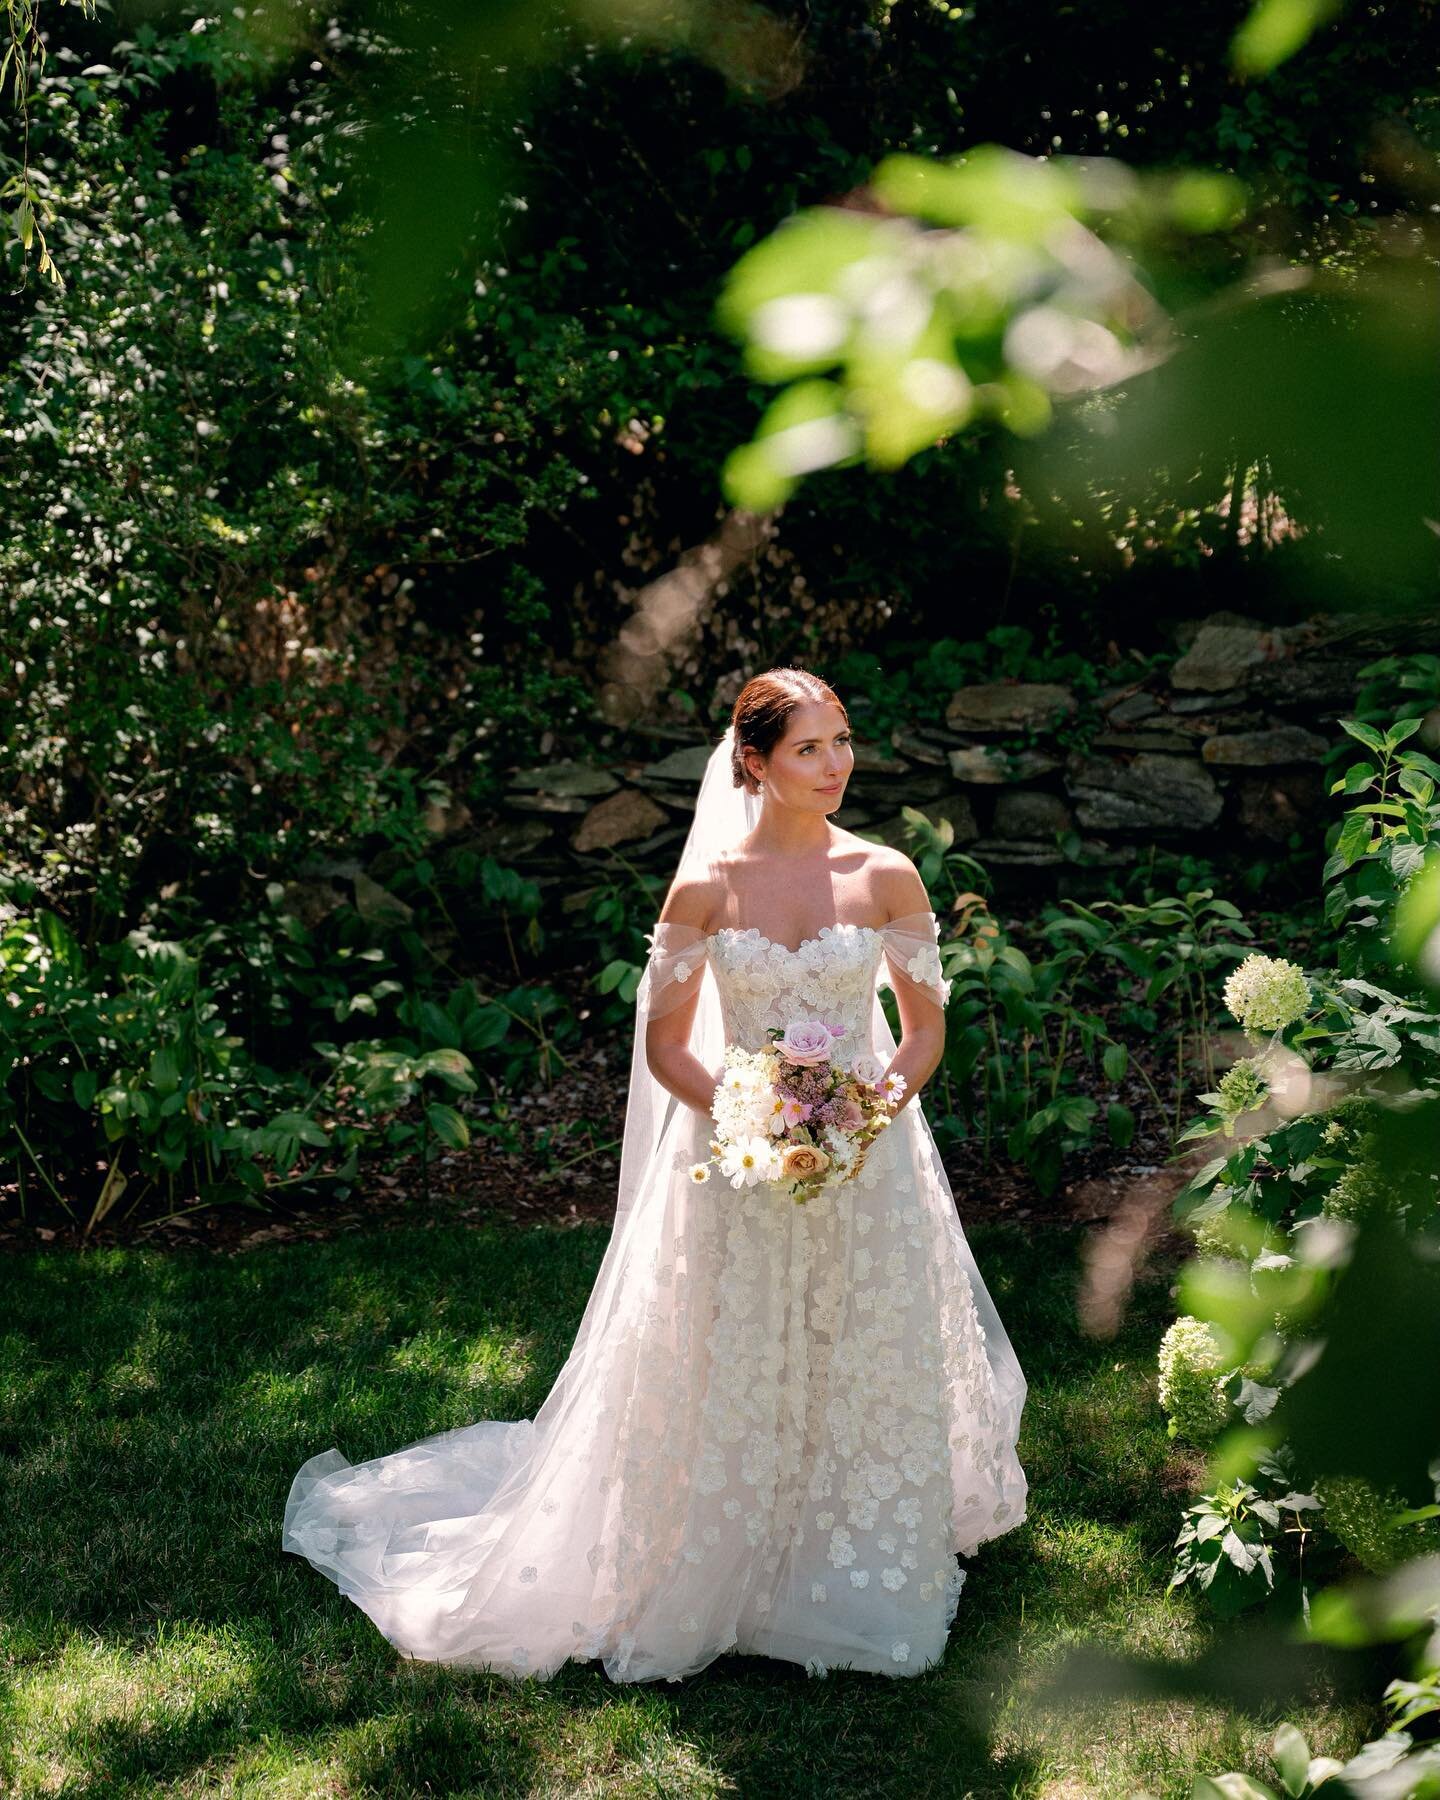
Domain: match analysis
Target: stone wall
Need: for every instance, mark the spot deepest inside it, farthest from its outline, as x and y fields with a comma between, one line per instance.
x=1219, y=754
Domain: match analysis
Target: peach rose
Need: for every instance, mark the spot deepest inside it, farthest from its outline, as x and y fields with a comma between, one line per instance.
x=803, y=1162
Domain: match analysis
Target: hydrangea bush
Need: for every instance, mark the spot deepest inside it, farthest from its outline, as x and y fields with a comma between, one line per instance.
x=1327, y=1127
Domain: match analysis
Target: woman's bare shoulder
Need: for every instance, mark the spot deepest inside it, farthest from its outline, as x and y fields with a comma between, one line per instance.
x=694, y=899
x=893, y=880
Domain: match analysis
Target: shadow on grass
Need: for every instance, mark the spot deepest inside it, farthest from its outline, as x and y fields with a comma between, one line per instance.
x=156, y=1409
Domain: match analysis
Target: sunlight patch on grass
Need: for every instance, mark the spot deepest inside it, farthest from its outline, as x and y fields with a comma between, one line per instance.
x=492, y=1361
x=93, y=1706
x=1091, y=1569
x=1109, y=1750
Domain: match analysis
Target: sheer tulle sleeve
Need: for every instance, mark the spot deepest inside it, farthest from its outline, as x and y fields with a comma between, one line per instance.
x=912, y=954
x=676, y=968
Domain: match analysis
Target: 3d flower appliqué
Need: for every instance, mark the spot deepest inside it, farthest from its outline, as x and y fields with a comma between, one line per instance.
x=924, y=968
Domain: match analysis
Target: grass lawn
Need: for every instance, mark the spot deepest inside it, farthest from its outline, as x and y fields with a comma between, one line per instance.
x=154, y=1639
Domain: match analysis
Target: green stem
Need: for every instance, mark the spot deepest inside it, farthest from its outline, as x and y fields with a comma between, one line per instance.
x=1144, y=1075
x=580, y=1156
x=40, y=1171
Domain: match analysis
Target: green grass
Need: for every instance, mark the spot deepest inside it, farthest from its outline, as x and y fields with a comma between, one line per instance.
x=154, y=1639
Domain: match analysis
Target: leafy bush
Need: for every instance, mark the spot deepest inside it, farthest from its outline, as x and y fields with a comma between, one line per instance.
x=1378, y=1529
x=1355, y=1041
x=232, y=640
x=120, y=1069
x=1231, y=1539
x=1332, y=1123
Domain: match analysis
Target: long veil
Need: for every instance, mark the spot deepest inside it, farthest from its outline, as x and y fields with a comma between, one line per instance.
x=723, y=815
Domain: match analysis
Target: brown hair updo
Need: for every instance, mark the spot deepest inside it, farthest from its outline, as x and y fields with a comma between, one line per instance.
x=763, y=708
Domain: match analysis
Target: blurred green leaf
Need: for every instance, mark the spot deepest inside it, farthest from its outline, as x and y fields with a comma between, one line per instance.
x=1369, y=1405
x=1275, y=30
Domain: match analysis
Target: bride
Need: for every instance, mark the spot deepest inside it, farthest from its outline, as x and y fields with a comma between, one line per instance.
x=778, y=1422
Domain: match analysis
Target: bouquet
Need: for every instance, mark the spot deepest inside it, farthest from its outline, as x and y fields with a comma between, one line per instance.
x=799, y=1114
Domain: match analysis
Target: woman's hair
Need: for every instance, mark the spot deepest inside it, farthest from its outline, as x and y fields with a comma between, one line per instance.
x=762, y=711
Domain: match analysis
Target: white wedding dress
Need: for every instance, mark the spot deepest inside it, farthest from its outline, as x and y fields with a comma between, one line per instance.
x=778, y=1424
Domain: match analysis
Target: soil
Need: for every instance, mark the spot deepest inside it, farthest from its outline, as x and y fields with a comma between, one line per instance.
x=495, y=1180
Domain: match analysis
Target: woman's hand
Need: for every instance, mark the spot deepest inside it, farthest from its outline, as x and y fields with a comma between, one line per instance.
x=681, y=1073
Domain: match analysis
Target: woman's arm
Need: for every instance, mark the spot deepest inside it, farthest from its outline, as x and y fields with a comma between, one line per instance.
x=922, y=1018
x=667, y=1039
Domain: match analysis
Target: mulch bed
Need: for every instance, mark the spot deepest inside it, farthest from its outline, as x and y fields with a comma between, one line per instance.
x=570, y=1185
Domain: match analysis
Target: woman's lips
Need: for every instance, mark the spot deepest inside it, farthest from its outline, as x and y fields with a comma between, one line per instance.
x=829, y=790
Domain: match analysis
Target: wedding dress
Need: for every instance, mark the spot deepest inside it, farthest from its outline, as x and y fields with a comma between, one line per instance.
x=777, y=1426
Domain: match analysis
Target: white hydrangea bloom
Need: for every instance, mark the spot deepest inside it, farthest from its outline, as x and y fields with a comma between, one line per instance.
x=1267, y=993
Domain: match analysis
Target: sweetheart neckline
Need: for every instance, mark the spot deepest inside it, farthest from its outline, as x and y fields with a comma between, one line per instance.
x=746, y=930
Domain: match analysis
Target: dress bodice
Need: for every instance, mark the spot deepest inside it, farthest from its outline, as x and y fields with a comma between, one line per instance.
x=762, y=984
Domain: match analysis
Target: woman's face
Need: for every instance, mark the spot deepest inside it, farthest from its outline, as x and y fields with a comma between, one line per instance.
x=809, y=767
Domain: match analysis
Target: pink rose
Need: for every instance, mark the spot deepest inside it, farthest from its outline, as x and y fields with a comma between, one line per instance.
x=849, y=1116
x=867, y=1069
x=806, y=1042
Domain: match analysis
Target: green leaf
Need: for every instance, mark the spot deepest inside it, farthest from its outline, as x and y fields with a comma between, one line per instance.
x=1352, y=843
x=1121, y=1122
x=1016, y=960
x=1400, y=730
x=1292, y=1758
x=1272, y=32
x=165, y=1070
x=1355, y=779
x=301, y=1127
x=1198, y=1128
x=612, y=975
x=1364, y=734
x=1077, y=1113
x=1115, y=1061
x=439, y=1025
x=485, y=1027
x=1417, y=921
x=1415, y=759
x=448, y=1125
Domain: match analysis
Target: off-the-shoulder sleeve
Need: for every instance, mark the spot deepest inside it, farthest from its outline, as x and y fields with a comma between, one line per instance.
x=912, y=953
x=676, y=967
